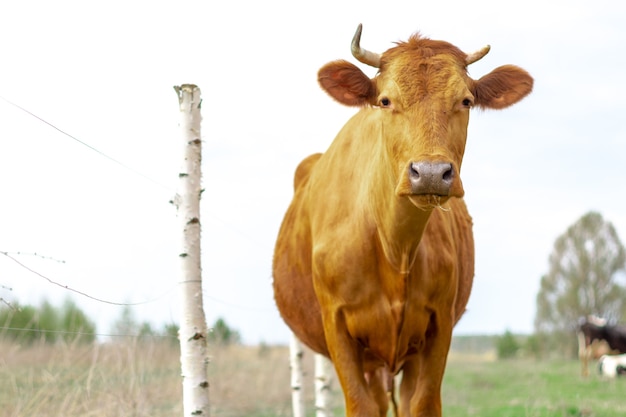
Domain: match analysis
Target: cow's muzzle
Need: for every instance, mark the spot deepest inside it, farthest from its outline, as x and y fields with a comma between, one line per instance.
x=431, y=178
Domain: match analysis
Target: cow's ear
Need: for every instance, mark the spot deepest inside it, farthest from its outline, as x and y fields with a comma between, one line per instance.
x=502, y=87
x=346, y=83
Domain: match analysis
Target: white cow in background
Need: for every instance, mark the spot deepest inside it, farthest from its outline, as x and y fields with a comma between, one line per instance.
x=612, y=366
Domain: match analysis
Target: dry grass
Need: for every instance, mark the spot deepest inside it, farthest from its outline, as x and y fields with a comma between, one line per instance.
x=255, y=381
x=135, y=379
x=472, y=357
x=141, y=379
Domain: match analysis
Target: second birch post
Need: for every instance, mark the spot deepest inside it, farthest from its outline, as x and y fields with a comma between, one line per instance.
x=193, y=328
x=296, y=352
x=323, y=368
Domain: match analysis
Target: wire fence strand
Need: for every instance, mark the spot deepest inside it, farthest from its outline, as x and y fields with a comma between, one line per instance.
x=85, y=144
x=77, y=333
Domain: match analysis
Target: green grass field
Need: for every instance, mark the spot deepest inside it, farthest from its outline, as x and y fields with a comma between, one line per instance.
x=143, y=379
x=527, y=388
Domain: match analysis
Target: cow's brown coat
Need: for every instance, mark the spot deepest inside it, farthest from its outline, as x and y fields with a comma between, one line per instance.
x=368, y=269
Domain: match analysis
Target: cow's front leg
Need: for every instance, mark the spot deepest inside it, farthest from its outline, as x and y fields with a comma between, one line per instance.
x=422, y=374
x=347, y=356
x=584, y=353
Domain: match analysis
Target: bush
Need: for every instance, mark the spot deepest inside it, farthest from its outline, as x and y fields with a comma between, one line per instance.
x=507, y=346
x=222, y=334
x=27, y=324
x=533, y=347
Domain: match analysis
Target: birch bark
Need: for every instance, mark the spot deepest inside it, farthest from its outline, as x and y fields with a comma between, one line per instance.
x=322, y=386
x=297, y=373
x=193, y=328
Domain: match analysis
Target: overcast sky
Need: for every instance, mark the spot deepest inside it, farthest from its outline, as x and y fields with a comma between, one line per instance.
x=104, y=71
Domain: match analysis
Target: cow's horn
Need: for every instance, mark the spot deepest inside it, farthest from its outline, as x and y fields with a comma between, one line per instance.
x=363, y=55
x=473, y=57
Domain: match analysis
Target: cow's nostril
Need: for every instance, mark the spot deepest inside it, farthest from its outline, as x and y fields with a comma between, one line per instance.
x=448, y=175
x=414, y=170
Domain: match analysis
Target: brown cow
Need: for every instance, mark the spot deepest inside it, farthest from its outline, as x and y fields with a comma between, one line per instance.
x=374, y=260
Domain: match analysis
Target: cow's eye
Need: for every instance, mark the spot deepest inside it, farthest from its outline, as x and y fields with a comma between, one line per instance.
x=467, y=102
x=385, y=102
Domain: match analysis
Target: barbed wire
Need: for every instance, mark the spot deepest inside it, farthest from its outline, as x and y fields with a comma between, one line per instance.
x=84, y=294
x=127, y=167
x=68, y=288
x=35, y=254
x=75, y=333
x=85, y=144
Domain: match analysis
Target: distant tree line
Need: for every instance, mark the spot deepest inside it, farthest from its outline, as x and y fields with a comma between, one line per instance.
x=27, y=324
x=46, y=323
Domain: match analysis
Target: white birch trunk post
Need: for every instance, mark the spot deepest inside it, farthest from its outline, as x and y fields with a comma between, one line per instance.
x=193, y=328
x=322, y=386
x=297, y=375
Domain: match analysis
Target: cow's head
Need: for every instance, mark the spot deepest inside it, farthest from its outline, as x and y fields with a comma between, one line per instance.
x=421, y=99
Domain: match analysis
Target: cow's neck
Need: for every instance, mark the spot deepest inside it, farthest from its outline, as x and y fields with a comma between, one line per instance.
x=399, y=223
x=400, y=226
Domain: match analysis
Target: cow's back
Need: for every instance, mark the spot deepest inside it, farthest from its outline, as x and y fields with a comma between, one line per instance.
x=293, y=281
